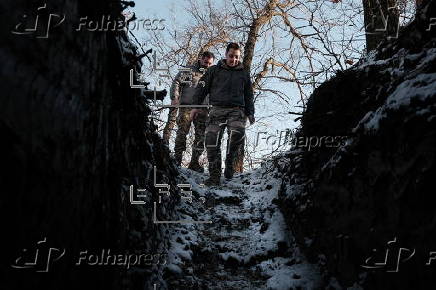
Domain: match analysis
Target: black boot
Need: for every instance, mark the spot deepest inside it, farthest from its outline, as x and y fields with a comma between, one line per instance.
x=214, y=174
x=213, y=180
x=228, y=172
x=194, y=165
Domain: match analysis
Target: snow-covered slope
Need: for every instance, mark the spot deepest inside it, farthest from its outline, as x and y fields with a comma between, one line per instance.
x=247, y=245
x=378, y=185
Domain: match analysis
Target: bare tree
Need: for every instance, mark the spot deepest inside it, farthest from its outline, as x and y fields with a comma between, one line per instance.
x=288, y=46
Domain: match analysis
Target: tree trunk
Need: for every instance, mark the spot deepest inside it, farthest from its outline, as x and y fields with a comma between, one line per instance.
x=381, y=18
x=238, y=163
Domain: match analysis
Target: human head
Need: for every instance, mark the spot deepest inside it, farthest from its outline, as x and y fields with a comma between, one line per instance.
x=233, y=54
x=206, y=59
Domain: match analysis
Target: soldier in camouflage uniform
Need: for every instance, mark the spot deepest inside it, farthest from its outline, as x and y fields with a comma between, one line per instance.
x=183, y=89
x=230, y=93
x=184, y=124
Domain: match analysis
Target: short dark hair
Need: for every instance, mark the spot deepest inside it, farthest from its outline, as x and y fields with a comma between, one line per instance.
x=233, y=45
x=207, y=54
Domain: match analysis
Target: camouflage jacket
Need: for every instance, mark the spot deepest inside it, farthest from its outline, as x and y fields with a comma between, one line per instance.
x=184, y=84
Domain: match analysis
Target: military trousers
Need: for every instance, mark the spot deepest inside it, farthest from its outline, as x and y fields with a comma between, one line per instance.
x=220, y=118
x=183, y=126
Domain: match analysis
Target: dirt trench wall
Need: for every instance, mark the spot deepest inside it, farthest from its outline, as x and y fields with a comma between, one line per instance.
x=75, y=137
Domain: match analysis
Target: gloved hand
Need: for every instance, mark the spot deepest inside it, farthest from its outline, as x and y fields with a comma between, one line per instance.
x=251, y=119
x=194, y=113
x=174, y=102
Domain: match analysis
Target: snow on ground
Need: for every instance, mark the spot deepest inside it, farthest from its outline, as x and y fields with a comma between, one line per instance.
x=247, y=245
x=418, y=88
x=415, y=89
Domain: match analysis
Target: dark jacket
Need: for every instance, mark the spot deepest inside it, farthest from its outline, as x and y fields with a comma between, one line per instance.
x=184, y=84
x=226, y=86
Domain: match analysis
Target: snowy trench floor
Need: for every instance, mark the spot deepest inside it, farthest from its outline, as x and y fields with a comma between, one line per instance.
x=247, y=244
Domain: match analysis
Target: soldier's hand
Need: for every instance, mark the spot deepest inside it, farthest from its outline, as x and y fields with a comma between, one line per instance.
x=194, y=113
x=174, y=101
x=251, y=119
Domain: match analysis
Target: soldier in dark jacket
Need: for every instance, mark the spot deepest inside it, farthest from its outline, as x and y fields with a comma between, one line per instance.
x=181, y=93
x=231, y=95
